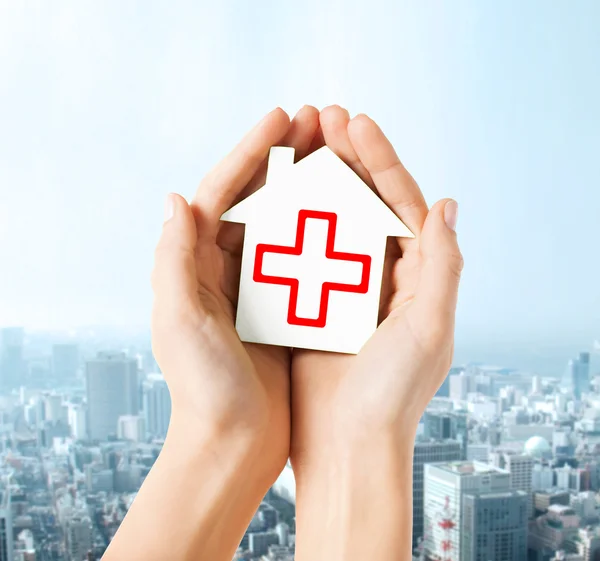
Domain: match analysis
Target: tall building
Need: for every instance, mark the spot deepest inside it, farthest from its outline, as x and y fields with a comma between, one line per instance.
x=494, y=526
x=157, y=405
x=78, y=536
x=520, y=467
x=112, y=391
x=445, y=486
x=65, y=362
x=425, y=453
x=131, y=427
x=12, y=365
x=54, y=408
x=578, y=372
x=78, y=421
x=444, y=425
x=6, y=526
x=459, y=386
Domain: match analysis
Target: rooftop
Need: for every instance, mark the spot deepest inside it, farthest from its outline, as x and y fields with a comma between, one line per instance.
x=470, y=468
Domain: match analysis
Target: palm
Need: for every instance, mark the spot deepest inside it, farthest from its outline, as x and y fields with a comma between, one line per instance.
x=381, y=379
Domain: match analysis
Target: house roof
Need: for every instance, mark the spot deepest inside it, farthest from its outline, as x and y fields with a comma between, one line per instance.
x=301, y=184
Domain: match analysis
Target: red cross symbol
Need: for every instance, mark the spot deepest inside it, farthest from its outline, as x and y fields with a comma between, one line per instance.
x=326, y=286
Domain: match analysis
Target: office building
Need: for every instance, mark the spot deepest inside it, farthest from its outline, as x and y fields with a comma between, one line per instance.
x=459, y=386
x=78, y=536
x=494, y=526
x=542, y=477
x=131, y=427
x=427, y=452
x=259, y=542
x=578, y=374
x=65, y=362
x=77, y=416
x=55, y=410
x=157, y=405
x=6, y=526
x=444, y=425
x=112, y=391
x=543, y=500
x=520, y=467
x=445, y=486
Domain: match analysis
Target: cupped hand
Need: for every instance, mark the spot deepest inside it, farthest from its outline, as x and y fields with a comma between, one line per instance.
x=219, y=385
x=384, y=389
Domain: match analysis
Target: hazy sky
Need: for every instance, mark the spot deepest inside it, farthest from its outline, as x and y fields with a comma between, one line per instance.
x=107, y=106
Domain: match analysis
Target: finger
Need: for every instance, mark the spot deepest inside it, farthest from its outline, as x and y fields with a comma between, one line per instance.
x=434, y=306
x=394, y=184
x=300, y=135
x=174, y=275
x=334, y=124
x=222, y=184
x=302, y=131
x=318, y=141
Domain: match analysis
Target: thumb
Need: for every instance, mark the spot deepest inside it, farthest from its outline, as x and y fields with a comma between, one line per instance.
x=174, y=274
x=442, y=263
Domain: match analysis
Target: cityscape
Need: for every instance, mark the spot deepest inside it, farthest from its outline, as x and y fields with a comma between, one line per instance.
x=506, y=462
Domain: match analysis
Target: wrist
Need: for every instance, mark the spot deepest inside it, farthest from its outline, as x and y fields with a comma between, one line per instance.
x=363, y=497
x=231, y=451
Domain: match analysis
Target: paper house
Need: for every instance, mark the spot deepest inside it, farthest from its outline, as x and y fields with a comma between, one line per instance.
x=313, y=253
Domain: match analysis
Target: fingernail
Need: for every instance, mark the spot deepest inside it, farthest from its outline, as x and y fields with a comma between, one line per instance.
x=169, y=207
x=451, y=214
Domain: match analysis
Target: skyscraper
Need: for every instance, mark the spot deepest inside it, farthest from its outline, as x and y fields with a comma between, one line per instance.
x=6, y=526
x=494, y=526
x=12, y=365
x=444, y=425
x=157, y=405
x=578, y=374
x=520, y=467
x=445, y=486
x=424, y=453
x=112, y=391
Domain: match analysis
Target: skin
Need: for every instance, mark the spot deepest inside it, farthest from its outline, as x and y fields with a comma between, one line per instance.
x=352, y=418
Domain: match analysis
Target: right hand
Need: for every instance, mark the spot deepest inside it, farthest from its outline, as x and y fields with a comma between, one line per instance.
x=219, y=385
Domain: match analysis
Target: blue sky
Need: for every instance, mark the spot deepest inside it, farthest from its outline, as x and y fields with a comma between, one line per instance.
x=105, y=107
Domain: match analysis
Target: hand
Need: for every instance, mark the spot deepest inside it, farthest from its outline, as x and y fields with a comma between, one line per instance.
x=228, y=438
x=219, y=385
x=358, y=413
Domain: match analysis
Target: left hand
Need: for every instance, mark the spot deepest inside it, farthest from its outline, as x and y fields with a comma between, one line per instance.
x=338, y=399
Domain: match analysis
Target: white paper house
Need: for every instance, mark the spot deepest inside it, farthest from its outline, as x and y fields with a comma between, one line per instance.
x=313, y=254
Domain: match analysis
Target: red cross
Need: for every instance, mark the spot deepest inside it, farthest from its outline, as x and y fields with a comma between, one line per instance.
x=330, y=253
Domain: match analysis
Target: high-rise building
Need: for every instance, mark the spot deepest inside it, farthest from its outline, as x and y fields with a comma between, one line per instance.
x=112, y=391
x=445, y=486
x=459, y=386
x=157, y=405
x=6, y=526
x=131, y=427
x=520, y=467
x=578, y=373
x=65, y=362
x=54, y=408
x=494, y=526
x=427, y=452
x=12, y=365
x=78, y=421
x=78, y=536
x=444, y=425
